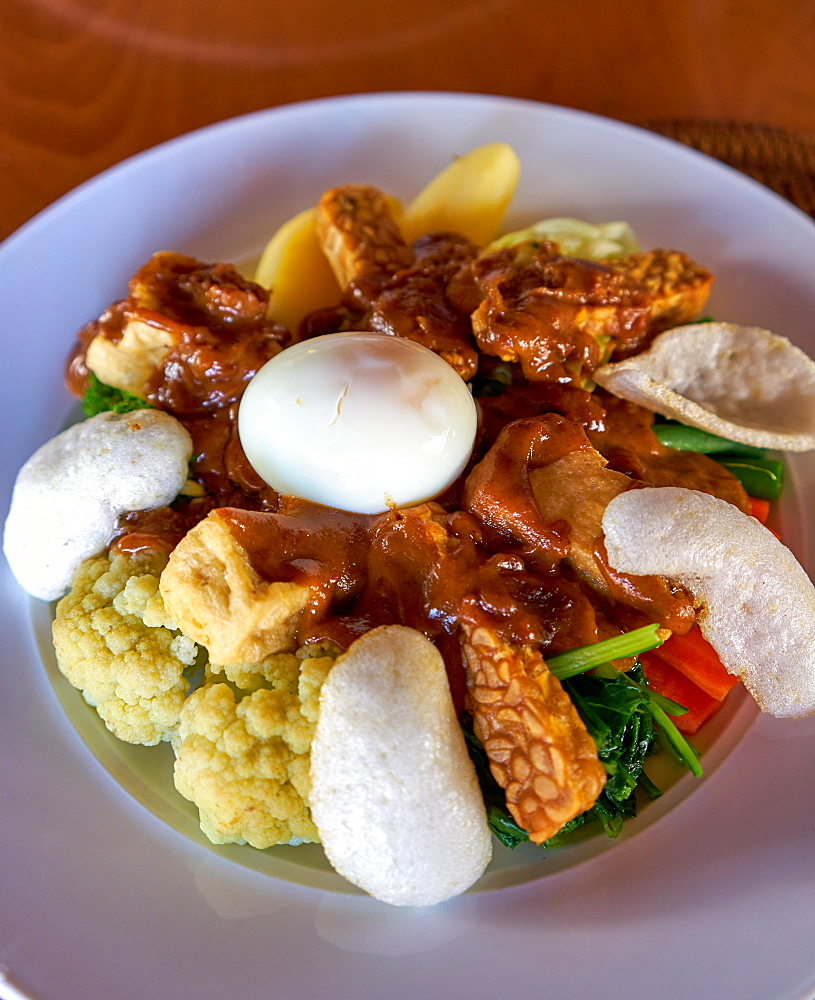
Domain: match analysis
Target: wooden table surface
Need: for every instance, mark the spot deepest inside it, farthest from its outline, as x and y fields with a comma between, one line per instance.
x=85, y=83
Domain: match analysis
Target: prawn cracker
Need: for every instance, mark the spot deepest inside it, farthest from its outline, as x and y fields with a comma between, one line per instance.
x=740, y=382
x=394, y=793
x=757, y=604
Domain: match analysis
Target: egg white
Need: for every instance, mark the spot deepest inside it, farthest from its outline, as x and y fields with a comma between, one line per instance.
x=359, y=421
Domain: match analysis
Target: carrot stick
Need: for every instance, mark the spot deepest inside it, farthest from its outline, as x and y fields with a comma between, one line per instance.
x=760, y=509
x=666, y=681
x=693, y=656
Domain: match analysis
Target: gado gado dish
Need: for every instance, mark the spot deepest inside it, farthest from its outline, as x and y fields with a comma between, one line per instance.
x=422, y=533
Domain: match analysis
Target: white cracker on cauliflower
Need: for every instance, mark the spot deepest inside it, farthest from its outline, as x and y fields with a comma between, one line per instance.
x=68, y=496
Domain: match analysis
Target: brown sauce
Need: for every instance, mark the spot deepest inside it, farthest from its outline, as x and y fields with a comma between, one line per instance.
x=482, y=552
x=538, y=309
x=413, y=301
x=627, y=440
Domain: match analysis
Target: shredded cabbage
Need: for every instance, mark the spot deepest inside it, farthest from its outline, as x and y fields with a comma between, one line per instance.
x=577, y=238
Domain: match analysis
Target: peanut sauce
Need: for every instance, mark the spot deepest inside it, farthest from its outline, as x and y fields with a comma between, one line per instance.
x=220, y=338
x=480, y=552
x=414, y=302
x=535, y=308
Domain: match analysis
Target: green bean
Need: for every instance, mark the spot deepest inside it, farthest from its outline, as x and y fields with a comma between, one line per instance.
x=760, y=477
x=684, y=438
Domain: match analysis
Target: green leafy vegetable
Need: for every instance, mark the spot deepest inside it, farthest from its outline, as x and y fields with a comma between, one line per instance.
x=492, y=381
x=660, y=709
x=676, y=742
x=617, y=715
x=623, y=717
x=100, y=398
x=760, y=477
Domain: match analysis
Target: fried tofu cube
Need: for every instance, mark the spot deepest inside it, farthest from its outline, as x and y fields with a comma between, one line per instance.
x=216, y=596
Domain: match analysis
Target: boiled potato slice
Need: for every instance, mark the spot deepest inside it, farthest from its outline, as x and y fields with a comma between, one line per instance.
x=295, y=270
x=468, y=197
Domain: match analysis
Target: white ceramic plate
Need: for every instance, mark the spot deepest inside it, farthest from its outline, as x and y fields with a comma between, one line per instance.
x=107, y=891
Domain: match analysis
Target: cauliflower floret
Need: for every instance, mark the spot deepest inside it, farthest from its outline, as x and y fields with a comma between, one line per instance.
x=243, y=754
x=280, y=671
x=116, y=644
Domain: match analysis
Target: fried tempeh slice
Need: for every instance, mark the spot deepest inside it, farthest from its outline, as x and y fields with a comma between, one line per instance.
x=358, y=233
x=676, y=286
x=392, y=287
x=560, y=317
x=414, y=302
x=552, y=314
x=538, y=747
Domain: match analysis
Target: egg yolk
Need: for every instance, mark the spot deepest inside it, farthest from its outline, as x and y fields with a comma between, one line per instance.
x=359, y=421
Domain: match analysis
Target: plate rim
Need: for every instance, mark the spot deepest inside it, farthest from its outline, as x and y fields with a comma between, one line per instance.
x=147, y=154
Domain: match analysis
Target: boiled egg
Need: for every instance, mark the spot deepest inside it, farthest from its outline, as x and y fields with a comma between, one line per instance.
x=359, y=421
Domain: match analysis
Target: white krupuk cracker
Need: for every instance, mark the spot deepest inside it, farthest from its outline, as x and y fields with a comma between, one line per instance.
x=394, y=793
x=68, y=496
x=740, y=382
x=758, y=604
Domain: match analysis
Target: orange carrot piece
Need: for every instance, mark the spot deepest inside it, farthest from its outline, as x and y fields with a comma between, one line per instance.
x=693, y=656
x=760, y=509
x=666, y=681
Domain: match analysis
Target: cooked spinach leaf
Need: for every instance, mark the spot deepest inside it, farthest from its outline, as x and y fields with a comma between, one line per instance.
x=99, y=398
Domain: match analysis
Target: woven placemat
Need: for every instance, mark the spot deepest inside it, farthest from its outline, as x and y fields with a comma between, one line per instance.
x=780, y=159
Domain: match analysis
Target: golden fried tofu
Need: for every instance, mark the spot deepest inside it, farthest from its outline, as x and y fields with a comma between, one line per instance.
x=129, y=362
x=577, y=488
x=216, y=596
x=186, y=335
x=245, y=581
